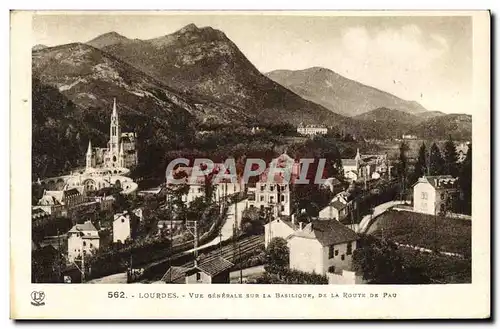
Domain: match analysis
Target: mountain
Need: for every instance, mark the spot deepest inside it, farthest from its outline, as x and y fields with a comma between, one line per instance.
x=459, y=126
x=388, y=116
x=38, y=47
x=204, y=63
x=107, y=39
x=339, y=94
x=429, y=114
x=73, y=90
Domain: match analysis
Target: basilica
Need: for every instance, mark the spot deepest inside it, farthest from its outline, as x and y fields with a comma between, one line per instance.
x=121, y=151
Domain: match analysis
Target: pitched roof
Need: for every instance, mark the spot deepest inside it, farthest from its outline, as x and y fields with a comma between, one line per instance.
x=174, y=273
x=327, y=232
x=87, y=226
x=338, y=205
x=439, y=182
x=214, y=266
x=286, y=222
x=38, y=212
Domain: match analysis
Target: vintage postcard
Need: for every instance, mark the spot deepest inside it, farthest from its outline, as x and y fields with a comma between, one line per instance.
x=250, y=165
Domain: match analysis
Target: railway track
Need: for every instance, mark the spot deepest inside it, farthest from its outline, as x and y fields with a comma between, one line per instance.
x=232, y=252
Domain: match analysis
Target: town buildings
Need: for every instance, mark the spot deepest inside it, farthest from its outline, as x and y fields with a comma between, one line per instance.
x=83, y=239
x=59, y=203
x=121, y=150
x=365, y=166
x=322, y=246
x=312, y=130
x=435, y=194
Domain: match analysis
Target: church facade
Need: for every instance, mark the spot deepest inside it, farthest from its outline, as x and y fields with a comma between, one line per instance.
x=121, y=151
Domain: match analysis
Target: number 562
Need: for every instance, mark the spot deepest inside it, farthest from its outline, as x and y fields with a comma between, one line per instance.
x=116, y=294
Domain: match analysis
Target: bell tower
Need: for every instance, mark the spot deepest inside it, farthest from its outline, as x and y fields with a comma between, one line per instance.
x=114, y=139
x=89, y=156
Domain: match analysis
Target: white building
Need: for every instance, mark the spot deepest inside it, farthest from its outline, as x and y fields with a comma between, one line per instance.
x=364, y=166
x=322, y=246
x=312, y=130
x=121, y=227
x=279, y=228
x=82, y=239
x=435, y=194
x=275, y=193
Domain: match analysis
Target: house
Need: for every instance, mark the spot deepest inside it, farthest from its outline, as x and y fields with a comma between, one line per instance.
x=82, y=239
x=312, y=130
x=121, y=227
x=335, y=210
x=409, y=137
x=39, y=216
x=363, y=166
x=210, y=270
x=169, y=225
x=279, y=228
x=322, y=246
x=197, y=185
x=331, y=184
x=435, y=194
x=275, y=192
x=59, y=203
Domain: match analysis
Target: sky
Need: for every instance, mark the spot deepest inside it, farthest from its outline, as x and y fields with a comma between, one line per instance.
x=427, y=59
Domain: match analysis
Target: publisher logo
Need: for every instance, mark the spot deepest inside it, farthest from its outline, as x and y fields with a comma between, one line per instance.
x=37, y=298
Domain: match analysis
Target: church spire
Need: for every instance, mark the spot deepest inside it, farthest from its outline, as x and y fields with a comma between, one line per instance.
x=121, y=148
x=89, y=149
x=115, y=114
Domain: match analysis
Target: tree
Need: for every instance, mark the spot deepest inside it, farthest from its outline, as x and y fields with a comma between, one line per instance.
x=277, y=256
x=450, y=158
x=421, y=164
x=252, y=222
x=436, y=161
x=403, y=167
x=379, y=261
x=465, y=181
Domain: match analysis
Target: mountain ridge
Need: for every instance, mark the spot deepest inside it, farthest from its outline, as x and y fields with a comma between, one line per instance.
x=340, y=94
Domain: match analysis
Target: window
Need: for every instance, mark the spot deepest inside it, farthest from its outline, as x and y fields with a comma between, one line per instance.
x=349, y=248
x=198, y=276
x=123, y=220
x=261, y=198
x=336, y=252
x=330, y=251
x=271, y=188
x=331, y=269
x=282, y=208
x=424, y=195
x=262, y=187
x=84, y=243
x=282, y=198
x=91, y=245
x=342, y=257
x=442, y=196
x=271, y=199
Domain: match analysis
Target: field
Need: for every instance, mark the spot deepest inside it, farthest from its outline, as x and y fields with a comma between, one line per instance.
x=427, y=231
x=439, y=268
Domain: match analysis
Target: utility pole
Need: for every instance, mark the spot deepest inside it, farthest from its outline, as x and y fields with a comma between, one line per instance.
x=241, y=269
x=192, y=227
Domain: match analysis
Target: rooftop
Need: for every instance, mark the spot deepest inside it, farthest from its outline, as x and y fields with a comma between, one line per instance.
x=327, y=232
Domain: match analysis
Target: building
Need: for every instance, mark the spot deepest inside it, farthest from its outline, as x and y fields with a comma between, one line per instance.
x=279, y=228
x=121, y=151
x=409, y=137
x=59, y=203
x=82, y=239
x=39, y=216
x=364, y=166
x=322, y=246
x=196, y=187
x=312, y=130
x=339, y=208
x=435, y=194
x=122, y=228
x=208, y=271
x=275, y=193
x=332, y=184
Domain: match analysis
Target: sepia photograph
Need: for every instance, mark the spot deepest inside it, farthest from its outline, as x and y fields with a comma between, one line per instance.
x=252, y=149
